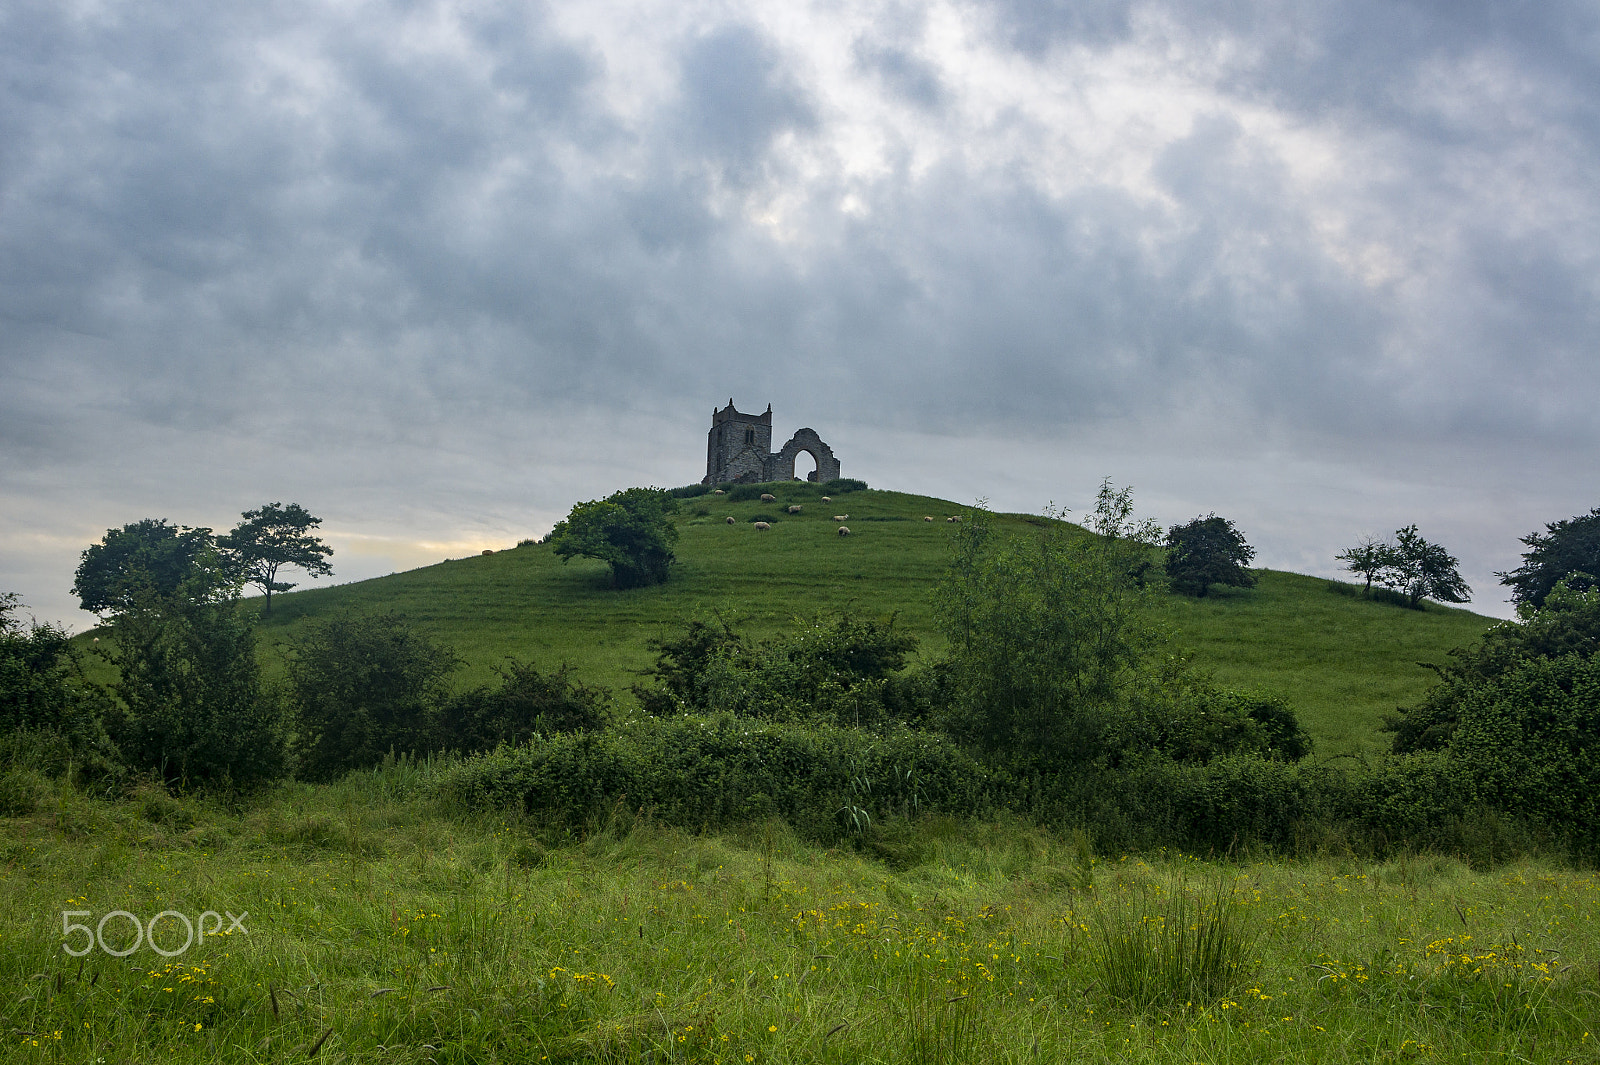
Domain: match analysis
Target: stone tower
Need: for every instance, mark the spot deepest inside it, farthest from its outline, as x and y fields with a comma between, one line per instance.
x=739, y=449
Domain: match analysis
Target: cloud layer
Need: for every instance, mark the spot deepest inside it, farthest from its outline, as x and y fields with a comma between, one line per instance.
x=438, y=270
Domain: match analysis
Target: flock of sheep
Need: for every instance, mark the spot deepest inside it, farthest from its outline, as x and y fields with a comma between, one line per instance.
x=844, y=530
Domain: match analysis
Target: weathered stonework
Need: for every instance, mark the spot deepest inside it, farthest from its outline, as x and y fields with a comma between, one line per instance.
x=739, y=449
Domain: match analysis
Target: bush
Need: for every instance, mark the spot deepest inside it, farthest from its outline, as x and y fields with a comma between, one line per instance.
x=689, y=491
x=1207, y=551
x=833, y=669
x=840, y=485
x=194, y=708
x=364, y=685
x=44, y=692
x=526, y=704
x=709, y=773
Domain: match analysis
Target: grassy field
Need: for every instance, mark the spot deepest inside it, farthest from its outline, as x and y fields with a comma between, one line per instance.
x=1343, y=662
x=383, y=928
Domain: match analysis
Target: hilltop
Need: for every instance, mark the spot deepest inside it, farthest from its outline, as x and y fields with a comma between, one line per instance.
x=1341, y=661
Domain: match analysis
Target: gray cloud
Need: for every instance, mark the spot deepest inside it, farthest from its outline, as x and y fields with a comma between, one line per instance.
x=414, y=257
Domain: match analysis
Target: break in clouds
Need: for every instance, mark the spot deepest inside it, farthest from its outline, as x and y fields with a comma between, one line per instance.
x=438, y=270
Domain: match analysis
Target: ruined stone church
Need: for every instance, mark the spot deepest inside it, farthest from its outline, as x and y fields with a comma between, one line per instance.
x=739, y=449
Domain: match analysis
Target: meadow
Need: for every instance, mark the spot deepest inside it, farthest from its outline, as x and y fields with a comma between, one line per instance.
x=384, y=926
x=1343, y=662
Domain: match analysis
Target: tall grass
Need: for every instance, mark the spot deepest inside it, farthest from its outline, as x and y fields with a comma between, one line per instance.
x=385, y=928
x=1172, y=948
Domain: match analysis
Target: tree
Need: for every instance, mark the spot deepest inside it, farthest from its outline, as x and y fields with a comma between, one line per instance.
x=1046, y=631
x=275, y=536
x=1422, y=570
x=146, y=559
x=194, y=708
x=1567, y=549
x=630, y=530
x=1207, y=551
x=44, y=690
x=1369, y=558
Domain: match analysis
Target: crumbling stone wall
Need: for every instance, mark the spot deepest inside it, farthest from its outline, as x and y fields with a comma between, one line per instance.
x=739, y=449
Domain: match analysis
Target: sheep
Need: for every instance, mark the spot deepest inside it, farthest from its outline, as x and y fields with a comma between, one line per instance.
x=841, y=517
x=794, y=510
x=927, y=517
x=953, y=517
x=718, y=492
x=825, y=499
x=488, y=550
x=844, y=530
x=762, y=526
x=768, y=497
x=730, y=519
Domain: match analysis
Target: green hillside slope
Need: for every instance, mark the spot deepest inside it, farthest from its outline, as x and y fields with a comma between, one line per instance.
x=1343, y=662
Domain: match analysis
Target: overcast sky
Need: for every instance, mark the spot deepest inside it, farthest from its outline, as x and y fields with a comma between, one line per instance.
x=437, y=271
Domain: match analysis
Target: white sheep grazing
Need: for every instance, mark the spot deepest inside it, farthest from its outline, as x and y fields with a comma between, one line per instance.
x=927, y=517
x=719, y=492
x=794, y=510
x=825, y=499
x=767, y=497
x=844, y=530
x=730, y=519
x=841, y=517
x=762, y=526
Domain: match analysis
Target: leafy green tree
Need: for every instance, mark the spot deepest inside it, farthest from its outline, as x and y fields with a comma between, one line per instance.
x=1370, y=558
x=1567, y=549
x=144, y=560
x=194, y=708
x=630, y=530
x=1047, y=631
x=363, y=685
x=271, y=537
x=1207, y=551
x=1422, y=570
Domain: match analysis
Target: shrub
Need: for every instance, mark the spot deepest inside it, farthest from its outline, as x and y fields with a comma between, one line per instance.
x=711, y=772
x=689, y=491
x=840, y=485
x=194, y=708
x=364, y=684
x=526, y=703
x=831, y=668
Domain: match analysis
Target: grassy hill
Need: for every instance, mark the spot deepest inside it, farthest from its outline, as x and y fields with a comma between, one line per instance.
x=1342, y=661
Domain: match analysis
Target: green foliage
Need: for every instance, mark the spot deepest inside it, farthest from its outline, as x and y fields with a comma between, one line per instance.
x=1207, y=551
x=270, y=538
x=1369, y=558
x=44, y=691
x=1175, y=713
x=841, y=485
x=1046, y=631
x=838, y=669
x=1423, y=570
x=689, y=491
x=363, y=685
x=147, y=560
x=711, y=772
x=1567, y=625
x=1568, y=549
x=629, y=530
x=194, y=709
x=526, y=703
